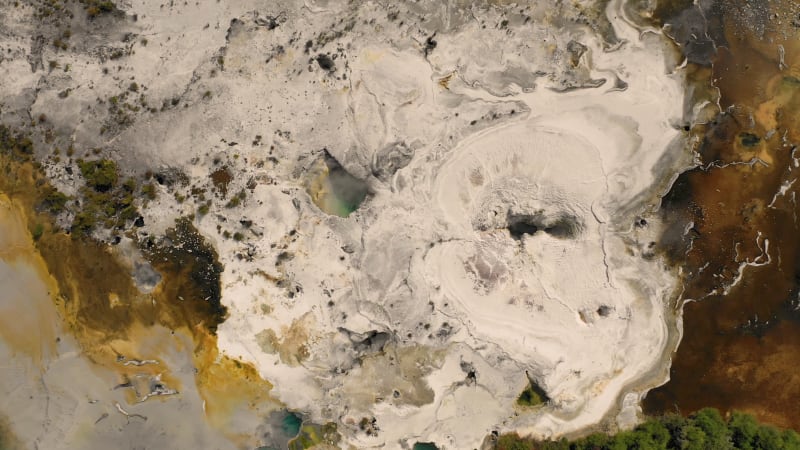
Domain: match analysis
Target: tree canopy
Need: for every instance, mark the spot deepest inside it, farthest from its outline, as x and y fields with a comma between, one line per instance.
x=706, y=429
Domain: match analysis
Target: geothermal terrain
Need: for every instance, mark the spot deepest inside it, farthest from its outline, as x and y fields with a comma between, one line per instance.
x=341, y=224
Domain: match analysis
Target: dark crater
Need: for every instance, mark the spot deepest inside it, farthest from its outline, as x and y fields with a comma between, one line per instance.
x=326, y=62
x=518, y=225
x=370, y=342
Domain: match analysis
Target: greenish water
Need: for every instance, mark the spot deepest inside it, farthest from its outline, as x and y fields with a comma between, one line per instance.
x=347, y=191
x=333, y=189
x=291, y=424
x=425, y=446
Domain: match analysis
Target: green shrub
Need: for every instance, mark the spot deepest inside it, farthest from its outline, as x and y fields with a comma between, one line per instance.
x=19, y=144
x=744, y=430
x=149, y=191
x=84, y=222
x=704, y=430
x=95, y=8
x=37, y=231
x=511, y=442
x=101, y=175
x=533, y=395
x=233, y=203
x=54, y=201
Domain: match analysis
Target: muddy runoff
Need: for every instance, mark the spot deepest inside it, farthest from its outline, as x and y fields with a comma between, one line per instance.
x=94, y=361
x=735, y=217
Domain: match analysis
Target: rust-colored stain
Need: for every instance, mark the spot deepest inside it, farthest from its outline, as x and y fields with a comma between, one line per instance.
x=741, y=344
x=99, y=304
x=221, y=178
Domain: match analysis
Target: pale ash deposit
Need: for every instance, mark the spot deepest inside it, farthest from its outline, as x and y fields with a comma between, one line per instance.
x=509, y=158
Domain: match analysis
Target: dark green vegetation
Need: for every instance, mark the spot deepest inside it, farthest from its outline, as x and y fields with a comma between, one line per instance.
x=703, y=430
x=123, y=107
x=87, y=272
x=18, y=145
x=61, y=9
x=95, y=8
x=37, y=231
x=236, y=200
x=54, y=201
x=100, y=175
x=105, y=200
x=533, y=395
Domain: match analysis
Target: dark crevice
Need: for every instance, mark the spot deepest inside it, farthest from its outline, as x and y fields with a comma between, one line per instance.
x=521, y=225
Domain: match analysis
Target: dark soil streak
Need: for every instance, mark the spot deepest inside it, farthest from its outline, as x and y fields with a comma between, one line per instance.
x=194, y=266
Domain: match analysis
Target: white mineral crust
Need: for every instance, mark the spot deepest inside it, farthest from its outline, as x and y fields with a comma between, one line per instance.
x=383, y=314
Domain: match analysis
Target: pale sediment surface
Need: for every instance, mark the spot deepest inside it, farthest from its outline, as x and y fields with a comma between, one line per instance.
x=509, y=160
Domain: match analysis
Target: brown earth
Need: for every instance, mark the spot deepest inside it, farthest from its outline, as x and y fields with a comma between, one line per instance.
x=741, y=344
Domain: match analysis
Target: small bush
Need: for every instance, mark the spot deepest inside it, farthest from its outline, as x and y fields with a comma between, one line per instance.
x=533, y=395
x=95, y=8
x=37, y=231
x=149, y=191
x=54, y=201
x=100, y=175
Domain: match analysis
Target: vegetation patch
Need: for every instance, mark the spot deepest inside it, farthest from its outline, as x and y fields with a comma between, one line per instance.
x=37, y=231
x=533, y=395
x=15, y=144
x=703, y=430
x=237, y=199
x=96, y=8
x=88, y=274
x=100, y=175
x=53, y=201
x=104, y=201
x=123, y=107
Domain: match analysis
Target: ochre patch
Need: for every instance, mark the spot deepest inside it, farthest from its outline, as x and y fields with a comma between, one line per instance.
x=99, y=304
x=741, y=345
